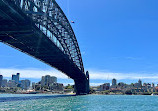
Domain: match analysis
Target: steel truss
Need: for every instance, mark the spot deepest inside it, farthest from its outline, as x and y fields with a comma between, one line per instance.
x=50, y=19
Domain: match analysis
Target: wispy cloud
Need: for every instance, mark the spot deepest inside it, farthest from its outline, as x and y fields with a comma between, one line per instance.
x=128, y=58
x=94, y=75
x=31, y=73
x=133, y=58
x=132, y=76
x=83, y=53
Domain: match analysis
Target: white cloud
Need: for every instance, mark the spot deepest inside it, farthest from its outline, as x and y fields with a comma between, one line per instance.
x=128, y=58
x=94, y=75
x=133, y=58
x=83, y=53
x=110, y=75
x=32, y=73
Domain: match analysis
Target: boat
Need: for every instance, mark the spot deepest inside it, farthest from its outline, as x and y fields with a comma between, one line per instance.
x=153, y=94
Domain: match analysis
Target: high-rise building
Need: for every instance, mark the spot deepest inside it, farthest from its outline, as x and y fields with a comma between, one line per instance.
x=11, y=83
x=1, y=78
x=53, y=79
x=25, y=84
x=153, y=85
x=16, y=78
x=33, y=85
x=140, y=82
x=48, y=80
x=114, y=82
x=4, y=82
x=45, y=80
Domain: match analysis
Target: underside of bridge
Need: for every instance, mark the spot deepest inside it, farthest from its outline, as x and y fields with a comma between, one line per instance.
x=19, y=30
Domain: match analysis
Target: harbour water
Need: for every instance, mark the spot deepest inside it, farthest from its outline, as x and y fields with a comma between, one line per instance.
x=43, y=102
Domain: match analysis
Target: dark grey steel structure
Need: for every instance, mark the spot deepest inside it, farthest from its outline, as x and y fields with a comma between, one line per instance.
x=40, y=29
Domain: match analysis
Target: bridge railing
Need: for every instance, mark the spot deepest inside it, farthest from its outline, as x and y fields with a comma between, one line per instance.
x=51, y=20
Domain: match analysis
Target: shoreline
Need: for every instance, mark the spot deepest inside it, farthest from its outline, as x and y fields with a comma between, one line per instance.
x=73, y=94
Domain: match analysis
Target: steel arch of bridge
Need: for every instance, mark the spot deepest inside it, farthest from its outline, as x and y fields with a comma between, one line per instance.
x=51, y=20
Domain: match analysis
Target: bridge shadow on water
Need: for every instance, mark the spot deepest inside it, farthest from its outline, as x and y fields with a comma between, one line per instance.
x=23, y=98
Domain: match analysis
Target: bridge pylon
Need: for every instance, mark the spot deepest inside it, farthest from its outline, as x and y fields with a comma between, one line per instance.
x=82, y=85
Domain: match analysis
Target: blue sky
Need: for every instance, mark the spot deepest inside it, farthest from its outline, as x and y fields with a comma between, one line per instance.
x=117, y=38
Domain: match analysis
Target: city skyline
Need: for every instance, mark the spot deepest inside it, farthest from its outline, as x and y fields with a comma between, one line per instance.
x=18, y=85
x=50, y=83
x=117, y=44
x=110, y=80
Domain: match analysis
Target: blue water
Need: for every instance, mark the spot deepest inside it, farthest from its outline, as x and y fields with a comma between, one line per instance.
x=17, y=102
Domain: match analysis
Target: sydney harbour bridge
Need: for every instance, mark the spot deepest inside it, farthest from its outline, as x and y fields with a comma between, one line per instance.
x=40, y=29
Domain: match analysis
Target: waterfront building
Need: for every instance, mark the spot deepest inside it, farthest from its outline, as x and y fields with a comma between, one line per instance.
x=16, y=78
x=25, y=84
x=33, y=85
x=145, y=85
x=57, y=87
x=148, y=85
x=11, y=84
x=105, y=86
x=48, y=80
x=149, y=90
x=4, y=82
x=114, y=82
x=153, y=90
x=1, y=78
x=37, y=87
x=144, y=88
x=122, y=85
x=156, y=89
x=140, y=83
x=53, y=79
x=131, y=86
x=137, y=90
x=137, y=85
x=115, y=90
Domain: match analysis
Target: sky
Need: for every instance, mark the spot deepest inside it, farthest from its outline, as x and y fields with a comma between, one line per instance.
x=117, y=39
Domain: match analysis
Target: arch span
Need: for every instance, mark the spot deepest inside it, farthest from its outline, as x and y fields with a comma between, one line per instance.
x=40, y=29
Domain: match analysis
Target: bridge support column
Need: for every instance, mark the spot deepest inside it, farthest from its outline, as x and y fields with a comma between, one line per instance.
x=82, y=85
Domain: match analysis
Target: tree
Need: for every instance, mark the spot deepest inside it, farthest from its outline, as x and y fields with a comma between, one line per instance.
x=128, y=92
x=91, y=91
